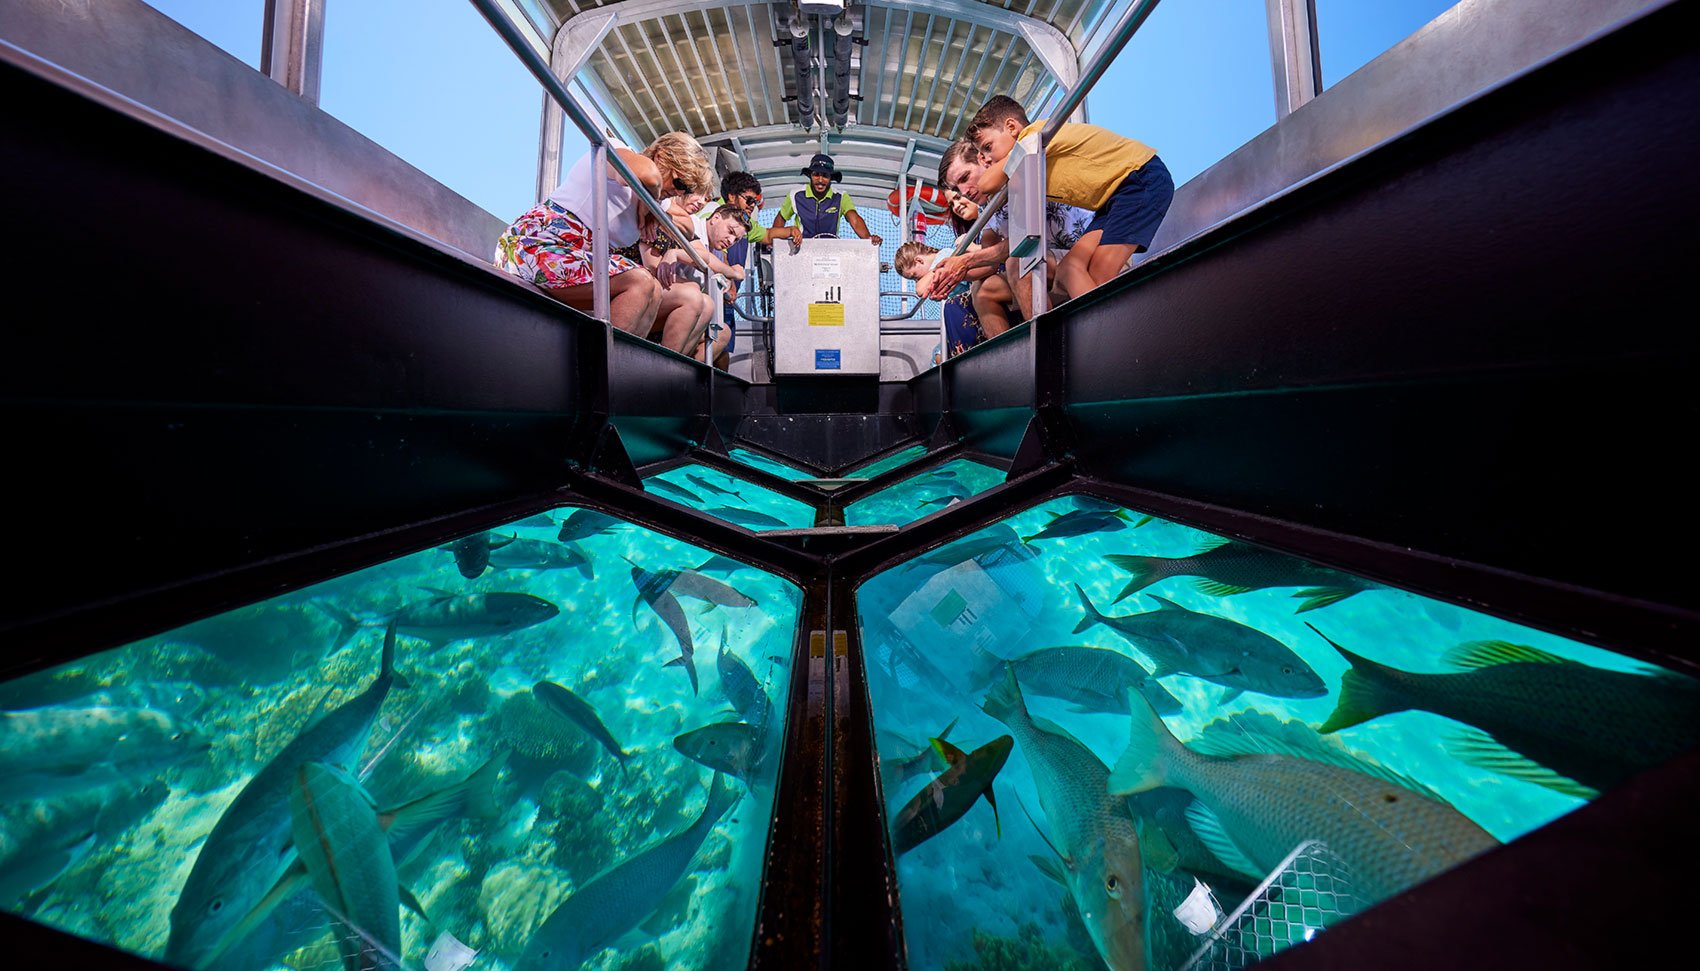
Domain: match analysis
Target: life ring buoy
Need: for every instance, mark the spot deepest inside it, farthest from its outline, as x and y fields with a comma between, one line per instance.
x=929, y=204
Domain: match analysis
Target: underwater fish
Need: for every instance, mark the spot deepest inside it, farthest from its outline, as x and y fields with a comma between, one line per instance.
x=1075, y=932
x=179, y=699
x=926, y=759
x=347, y=857
x=747, y=517
x=621, y=897
x=671, y=489
x=985, y=547
x=735, y=748
x=1084, y=522
x=1182, y=641
x=948, y=798
x=945, y=500
x=283, y=920
x=1095, y=679
x=740, y=686
x=718, y=564
x=1091, y=831
x=1092, y=504
x=536, y=554
x=585, y=523
x=1226, y=568
x=1269, y=795
x=540, y=521
x=707, y=486
x=48, y=752
x=452, y=617
x=1559, y=723
x=689, y=583
x=28, y=867
x=578, y=711
x=654, y=590
x=472, y=553
x=249, y=848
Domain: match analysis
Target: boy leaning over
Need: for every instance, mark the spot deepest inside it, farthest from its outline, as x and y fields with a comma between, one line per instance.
x=1121, y=180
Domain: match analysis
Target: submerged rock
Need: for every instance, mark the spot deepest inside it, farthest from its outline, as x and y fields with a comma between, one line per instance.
x=515, y=899
x=1027, y=951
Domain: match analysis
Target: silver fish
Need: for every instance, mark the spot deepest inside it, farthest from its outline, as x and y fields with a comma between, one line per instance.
x=1092, y=831
x=250, y=846
x=347, y=857
x=1084, y=522
x=585, y=523
x=578, y=711
x=536, y=554
x=708, y=486
x=740, y=686
x=674, y=490
x=948, y=797
x=747, y=517
x=1270, y=795
x=619, y=898
x=654, y=590
x=472, y=553
x=1182, y=641
x=1095, y=679
x=48, y=752
x=735, y=748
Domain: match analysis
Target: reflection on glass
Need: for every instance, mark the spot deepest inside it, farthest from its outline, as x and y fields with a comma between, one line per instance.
x=772, y=466
x=923, y=494
x=542, y=741
x=1214, y=750
x=888, y=463
x=730, y=498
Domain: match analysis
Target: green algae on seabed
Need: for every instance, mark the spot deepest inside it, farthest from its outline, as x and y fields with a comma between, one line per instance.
x=755, y=460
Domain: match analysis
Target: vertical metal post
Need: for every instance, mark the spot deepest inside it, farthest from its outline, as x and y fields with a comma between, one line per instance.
x=549, y=147
x=1041, y=275
x=1294, y=54
x=292, y=43
x=599, y=232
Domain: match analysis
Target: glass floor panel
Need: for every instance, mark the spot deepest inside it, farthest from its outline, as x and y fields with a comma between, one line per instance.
x=756, y=460
x=730, y=498
x=888, y=463
x=923, y=494
x=537, y=733
x=1234, y=748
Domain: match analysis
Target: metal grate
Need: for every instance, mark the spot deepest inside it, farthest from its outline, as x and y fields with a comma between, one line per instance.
x=1311, y=890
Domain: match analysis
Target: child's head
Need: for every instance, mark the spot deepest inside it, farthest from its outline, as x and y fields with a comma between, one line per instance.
x=683, y=164
x=725, y=226
x=911, y=258
x=995, y=127
x=960, y=168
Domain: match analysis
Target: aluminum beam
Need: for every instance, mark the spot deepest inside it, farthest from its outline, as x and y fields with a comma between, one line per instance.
x=292, y=45
x=1294, y=54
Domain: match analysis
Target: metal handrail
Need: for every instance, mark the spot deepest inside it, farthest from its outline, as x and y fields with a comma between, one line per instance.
x=1132, y=18
x=599, y=147
x=987, y=211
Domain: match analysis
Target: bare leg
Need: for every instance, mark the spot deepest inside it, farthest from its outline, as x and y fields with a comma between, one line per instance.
x=681, y=308
x=1108, y=261
x=991, y=298
x=633, y=297
x=1089, y=264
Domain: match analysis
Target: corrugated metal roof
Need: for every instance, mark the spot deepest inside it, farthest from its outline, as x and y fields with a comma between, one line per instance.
x=726, y=71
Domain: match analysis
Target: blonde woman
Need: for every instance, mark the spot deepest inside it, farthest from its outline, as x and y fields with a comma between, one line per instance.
x=551, y=247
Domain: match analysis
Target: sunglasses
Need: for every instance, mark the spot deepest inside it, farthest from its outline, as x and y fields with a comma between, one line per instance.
x=681, y=184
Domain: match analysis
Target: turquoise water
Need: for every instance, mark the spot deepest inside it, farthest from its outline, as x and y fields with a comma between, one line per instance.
x=118, y=766
x=772, y=466
x=732, y=499
x=923, y=494
x=937, y=631
x=888, y=463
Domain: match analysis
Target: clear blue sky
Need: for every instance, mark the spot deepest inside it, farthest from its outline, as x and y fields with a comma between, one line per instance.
x=430, y=81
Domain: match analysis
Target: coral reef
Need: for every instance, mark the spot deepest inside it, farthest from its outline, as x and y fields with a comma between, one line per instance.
x=1027, y=951
x=515, y=899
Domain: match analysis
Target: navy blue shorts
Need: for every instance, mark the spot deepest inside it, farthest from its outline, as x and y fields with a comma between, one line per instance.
x=1137, y=208
x=731, y=320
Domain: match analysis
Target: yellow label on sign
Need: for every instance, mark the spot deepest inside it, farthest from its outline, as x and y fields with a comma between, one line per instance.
x=826, y=315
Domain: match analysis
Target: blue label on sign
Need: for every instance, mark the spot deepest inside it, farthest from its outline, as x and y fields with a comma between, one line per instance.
x=826, y=360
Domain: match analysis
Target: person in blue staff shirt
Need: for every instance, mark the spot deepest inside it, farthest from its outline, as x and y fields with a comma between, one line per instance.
x=818, y=208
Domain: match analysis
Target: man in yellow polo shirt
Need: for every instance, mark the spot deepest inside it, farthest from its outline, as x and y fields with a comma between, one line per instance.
x=1123, y=182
